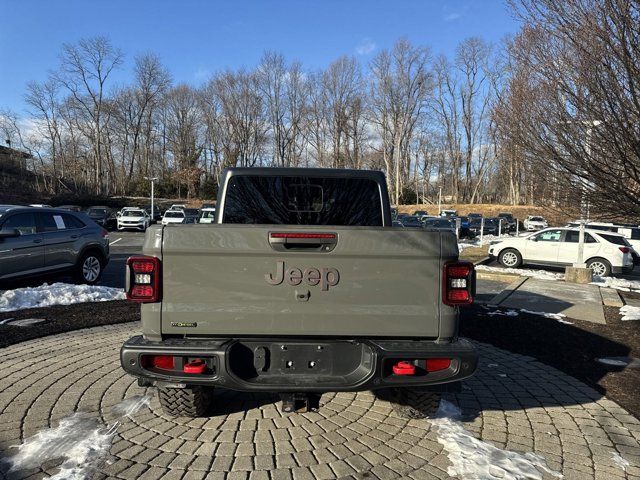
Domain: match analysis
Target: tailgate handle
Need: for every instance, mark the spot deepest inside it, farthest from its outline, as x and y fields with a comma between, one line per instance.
x=292, y=241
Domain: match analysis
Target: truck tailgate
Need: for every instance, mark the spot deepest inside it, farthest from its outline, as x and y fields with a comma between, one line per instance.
x=231, y=280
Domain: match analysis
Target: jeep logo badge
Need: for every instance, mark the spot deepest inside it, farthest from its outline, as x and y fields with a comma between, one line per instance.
x=325, y=277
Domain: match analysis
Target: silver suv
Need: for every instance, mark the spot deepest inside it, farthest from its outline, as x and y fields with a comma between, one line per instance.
x=36, y=241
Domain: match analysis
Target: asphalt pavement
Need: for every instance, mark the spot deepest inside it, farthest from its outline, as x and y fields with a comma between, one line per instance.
x=122, y=246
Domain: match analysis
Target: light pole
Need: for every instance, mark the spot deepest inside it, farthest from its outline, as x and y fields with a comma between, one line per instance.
x=152, y=180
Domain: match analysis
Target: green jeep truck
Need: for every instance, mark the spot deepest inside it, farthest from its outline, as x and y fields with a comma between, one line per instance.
x=301, y=286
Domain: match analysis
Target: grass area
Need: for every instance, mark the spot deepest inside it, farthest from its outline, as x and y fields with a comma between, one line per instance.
x=474, y=254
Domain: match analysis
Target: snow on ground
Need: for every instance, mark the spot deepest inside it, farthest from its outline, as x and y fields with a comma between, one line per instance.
x=537, y=274
x=617, y=283
x=619, y=461
x=629, y=312
x=612, y=361
x=474, y=459
x=79, y=439
x=56, y=294
x=560, y=317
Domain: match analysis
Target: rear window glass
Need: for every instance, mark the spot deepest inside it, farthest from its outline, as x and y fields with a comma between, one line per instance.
x=614, y=239
x=174, y=214
x=266, y=200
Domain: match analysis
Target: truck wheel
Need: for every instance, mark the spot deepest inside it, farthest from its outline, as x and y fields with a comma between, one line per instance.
x=185, y=402
x=415, y=403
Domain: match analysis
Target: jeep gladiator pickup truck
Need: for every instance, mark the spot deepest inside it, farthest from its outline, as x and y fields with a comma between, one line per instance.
x=300, y=286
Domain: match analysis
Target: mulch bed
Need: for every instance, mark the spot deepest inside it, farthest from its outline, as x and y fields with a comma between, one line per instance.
x=63, y=318
x=571, y=349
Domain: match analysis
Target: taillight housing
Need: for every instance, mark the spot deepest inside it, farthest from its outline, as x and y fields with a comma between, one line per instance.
x=458, y=283
x=143, y=279
x=624, y=249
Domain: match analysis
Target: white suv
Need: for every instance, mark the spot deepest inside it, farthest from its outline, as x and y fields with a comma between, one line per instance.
x=604, y=252
x=133, y=218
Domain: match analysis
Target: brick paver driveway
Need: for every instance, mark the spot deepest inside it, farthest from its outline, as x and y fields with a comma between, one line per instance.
x=513, y=402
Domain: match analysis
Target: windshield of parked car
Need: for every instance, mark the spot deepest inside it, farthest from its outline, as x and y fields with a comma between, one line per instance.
x=132, y=213
x=97, y=211
x=174, y=214
x=208, y=214
x=302, y=200
x=536, y=219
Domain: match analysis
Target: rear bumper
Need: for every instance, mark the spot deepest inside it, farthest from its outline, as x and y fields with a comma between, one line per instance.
x=288, y=365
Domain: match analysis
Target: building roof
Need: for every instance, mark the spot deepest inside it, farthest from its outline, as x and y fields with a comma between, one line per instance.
x=12, y=151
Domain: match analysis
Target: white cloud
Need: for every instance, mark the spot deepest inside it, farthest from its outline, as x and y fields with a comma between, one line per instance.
x=450, y=17
x=366, y=46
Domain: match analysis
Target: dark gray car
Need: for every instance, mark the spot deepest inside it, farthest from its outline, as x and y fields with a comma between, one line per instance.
x=37, y=241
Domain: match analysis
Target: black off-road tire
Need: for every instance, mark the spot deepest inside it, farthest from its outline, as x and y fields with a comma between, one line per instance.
x=192, y=401
x=415, y=403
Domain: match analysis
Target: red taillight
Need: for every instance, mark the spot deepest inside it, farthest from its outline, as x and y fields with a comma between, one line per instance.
x=144, y=279
x=164, y=362
x=197, y=366
x=437, y=364
x=458, y=283
x=624, y=249
x=104, y=233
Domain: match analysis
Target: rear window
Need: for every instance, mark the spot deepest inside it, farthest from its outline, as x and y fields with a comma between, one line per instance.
x=302, y=201
x=614, y=239
x=173, y=214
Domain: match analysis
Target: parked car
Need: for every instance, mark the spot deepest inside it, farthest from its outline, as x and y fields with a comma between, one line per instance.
x=396, y=223
x=440, y=224
x=208, y=205
x=509, y=224
x=604, y=252
x=411, y=221
x=70, y=208
x=420, y=213
x=489, y=226
x=157, y=213
x=191, y=215
x=36, y=241
x=300, y=293
x=534, y=222
x=134, y=219
x=207, y=215
x=448, y=213
x=177, y=206
x=173, y=216
x=103, y=216
x=474, y=215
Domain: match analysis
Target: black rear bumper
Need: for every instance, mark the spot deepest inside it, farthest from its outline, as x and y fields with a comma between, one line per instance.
x=290, y=365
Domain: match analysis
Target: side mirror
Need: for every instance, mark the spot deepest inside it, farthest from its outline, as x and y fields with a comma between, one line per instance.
x=9, y=233
x=534, y=239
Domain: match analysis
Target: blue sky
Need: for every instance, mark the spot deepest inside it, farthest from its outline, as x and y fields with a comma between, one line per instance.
x=197, y=37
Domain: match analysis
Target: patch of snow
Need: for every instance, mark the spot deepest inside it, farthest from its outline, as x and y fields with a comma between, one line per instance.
x=629, y=312
x=508, y=313
x=555, y=316
x=79, y=439
x=56, y=294
x=619, y=461
x=612, y=361
x=474, y=459
x=525, y=272
x=617, y=283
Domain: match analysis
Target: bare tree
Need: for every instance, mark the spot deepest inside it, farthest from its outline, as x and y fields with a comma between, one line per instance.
x=85, y=68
